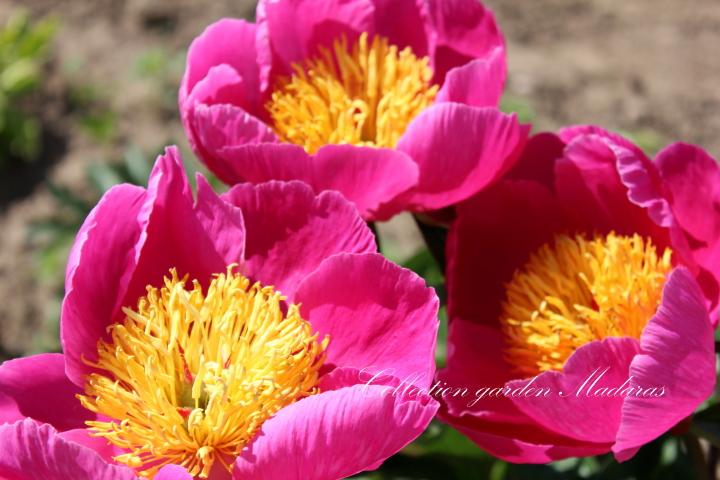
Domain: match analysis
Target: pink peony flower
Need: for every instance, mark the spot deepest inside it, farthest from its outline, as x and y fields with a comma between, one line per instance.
x=373, y=98
x=594, y=271
x=182, y=358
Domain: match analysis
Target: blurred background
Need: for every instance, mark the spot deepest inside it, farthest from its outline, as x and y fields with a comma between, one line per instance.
x=88, y=98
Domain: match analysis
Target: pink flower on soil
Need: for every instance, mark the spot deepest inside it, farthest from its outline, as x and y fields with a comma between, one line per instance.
x=182, y=358
x=374, y=98
x=588, y=256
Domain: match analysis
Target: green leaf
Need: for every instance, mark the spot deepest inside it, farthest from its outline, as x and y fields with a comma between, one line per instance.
x=520, y=106
x=103, y=176
x=137, y=165
x=66, y=198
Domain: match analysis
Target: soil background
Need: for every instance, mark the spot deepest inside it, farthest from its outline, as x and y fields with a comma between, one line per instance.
x=649, y=68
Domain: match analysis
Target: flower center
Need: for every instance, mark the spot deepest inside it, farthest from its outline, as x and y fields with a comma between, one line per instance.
x=576, y=291
x=364, y=96
x=188, y=378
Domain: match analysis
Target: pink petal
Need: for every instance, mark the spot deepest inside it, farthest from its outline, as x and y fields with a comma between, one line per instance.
x=319, y=436
x=231, y=43
x=451, y=168
x=207, y=131
x=380, y=317
x=494, y=234
x=37, y=387
x=129, y=241
x=296, y=29
x=290, y=231
x=460, y=31
x=263, y=162
x=609, y=182
x=222, y=221
x=342, y=377
x=106, y=243
x=174, y=237
x=221, y=126
x=519, y=451
x=476, y=360
x=173, y=472
x=213, y=128
x=692, y=178
x=677, y=353
x=84, y=437
x=478, y=83
x=571, y=133
x=410, y=32
x=589, y=185
x=35, y=452
x=374, y=179
x=578, y=406
x=221, y=85
x=537, y=161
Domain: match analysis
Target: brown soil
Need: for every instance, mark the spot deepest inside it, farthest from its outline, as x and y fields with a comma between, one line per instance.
x=646, y=67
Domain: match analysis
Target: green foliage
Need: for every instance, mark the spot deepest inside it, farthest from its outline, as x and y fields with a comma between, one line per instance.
x=24, y=47
x=58, y=232
x=162, y=70
x=96, y=117
x=649, y=140
x=518, y=105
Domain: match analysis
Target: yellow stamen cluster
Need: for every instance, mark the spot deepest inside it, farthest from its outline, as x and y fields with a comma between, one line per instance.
x=188, y=378
x=364, y=96
x=575, y=291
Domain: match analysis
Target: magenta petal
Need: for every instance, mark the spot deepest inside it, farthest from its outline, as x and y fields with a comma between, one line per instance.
x=538, y=158
x=460, y=31
x=318, y=437
x=588, y=183
x=174, y=237
x=106, y=243
x=451, y=168
x=130, y=241
x=380, y=317
x=228, y=42
x=519, y=451
x=39, y=389
x=211, y=128
x=410, y=32
x=290, y=231
x=173, y=472
x=473, y=367
x=571, y=133
x=222, y=85
x=31, y=451
x=677, y=353
x=494, y=234
x=374, y=179
x=586, y=399
x=692, y=178
x=263, y=162
x=84, y=437
x=221, y=126
x=342, y=377
x=475, y=362
x=295, y=29
x=222, y=221
x=478, y=83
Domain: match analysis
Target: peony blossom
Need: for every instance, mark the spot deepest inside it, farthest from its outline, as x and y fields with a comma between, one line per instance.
x=373, y=98
x=593, y=272
x=226, y=336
